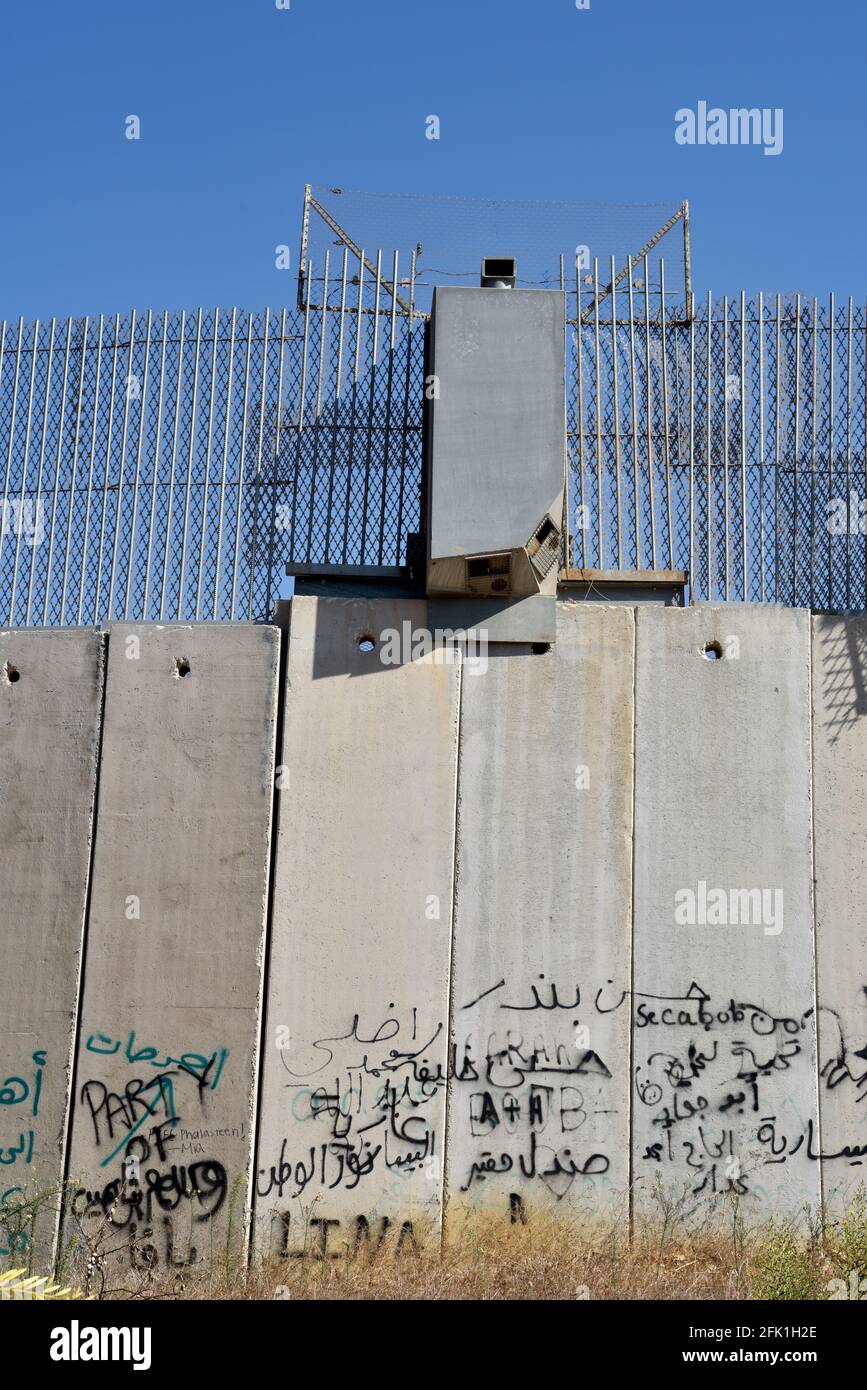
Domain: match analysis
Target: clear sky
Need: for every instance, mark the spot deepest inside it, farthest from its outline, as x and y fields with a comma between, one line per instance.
x=241, y=103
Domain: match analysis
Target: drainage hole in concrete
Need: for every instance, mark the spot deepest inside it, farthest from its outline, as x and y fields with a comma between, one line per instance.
x=182, y=667
x=366, y=642
x=11, y=674
x=713, y=651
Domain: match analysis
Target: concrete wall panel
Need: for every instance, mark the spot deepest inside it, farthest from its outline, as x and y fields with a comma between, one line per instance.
x=538, y=1112
x=167, y=1056
x=351, y=1138
x=453, y=896
x=840, y=821
x=724, y=1032
x=50, y=711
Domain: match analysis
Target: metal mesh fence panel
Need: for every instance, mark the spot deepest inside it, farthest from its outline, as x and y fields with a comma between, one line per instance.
x=166, y=467
x=728, y=442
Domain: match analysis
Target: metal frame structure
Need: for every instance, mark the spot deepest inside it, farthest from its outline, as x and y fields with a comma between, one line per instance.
x=393, y=286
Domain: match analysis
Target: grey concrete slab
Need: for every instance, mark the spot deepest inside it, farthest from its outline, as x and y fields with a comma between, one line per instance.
x=50, y=710
x=724, y=1098
x=538, y=1107
x=840, y=829
x=530, y=619
x=351, y=1137
x=167, y=1056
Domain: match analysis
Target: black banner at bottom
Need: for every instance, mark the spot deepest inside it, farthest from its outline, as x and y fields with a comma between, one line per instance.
x=252, y=1339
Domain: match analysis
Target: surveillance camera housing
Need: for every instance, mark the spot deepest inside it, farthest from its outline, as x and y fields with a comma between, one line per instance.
x=499, y=272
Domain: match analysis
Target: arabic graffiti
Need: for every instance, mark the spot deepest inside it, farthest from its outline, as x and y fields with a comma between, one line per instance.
x=365, y=1111
x=724, y=1096
x=19, y=1112
x=21, y=1091
x=196, y=1063
x=530, y=1101
x=723, y=1103
x=842, y=1088
x=133, y=1206
x=134, y=1128
x=534, y=1099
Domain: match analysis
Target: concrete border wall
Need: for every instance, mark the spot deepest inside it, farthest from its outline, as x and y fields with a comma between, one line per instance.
x=165, y=1084
x=430, y=957
x=51, y=687
x=840, y=821
x=724, y=1029
x=538, y=1106
x=356, y=1053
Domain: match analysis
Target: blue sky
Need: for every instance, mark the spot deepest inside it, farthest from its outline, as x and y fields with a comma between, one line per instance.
x=241, y=104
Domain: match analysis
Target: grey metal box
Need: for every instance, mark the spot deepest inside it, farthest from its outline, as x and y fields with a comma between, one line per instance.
x=496, y=440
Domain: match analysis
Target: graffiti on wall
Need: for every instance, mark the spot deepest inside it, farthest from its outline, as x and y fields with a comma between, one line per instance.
x=136, y=1117
x=725, y=1093
x=530, y=1096
x=534, y=1084
x=723, y=1106
x=20, y=1095
x=364, y=1133
x=722, y=1092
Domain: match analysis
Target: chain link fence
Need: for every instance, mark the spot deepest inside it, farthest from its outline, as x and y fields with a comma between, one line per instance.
x=728, y=441
x=168, y=466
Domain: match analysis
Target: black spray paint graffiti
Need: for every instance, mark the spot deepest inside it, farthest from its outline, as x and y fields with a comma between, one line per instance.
x=380, y=1123
x=322, y=1238
x=134, y=1206
x=143, y=1191
x=718, y=1080
x=724, y=1091
x=373, y=1111
x=841, y=1063
x=536, y=1092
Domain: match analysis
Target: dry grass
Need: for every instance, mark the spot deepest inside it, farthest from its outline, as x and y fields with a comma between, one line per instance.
x=548, y=1260
x=486, y=1257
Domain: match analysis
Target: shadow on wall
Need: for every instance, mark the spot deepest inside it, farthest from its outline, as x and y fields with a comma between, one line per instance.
x=844, y=672
x=361, y=645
